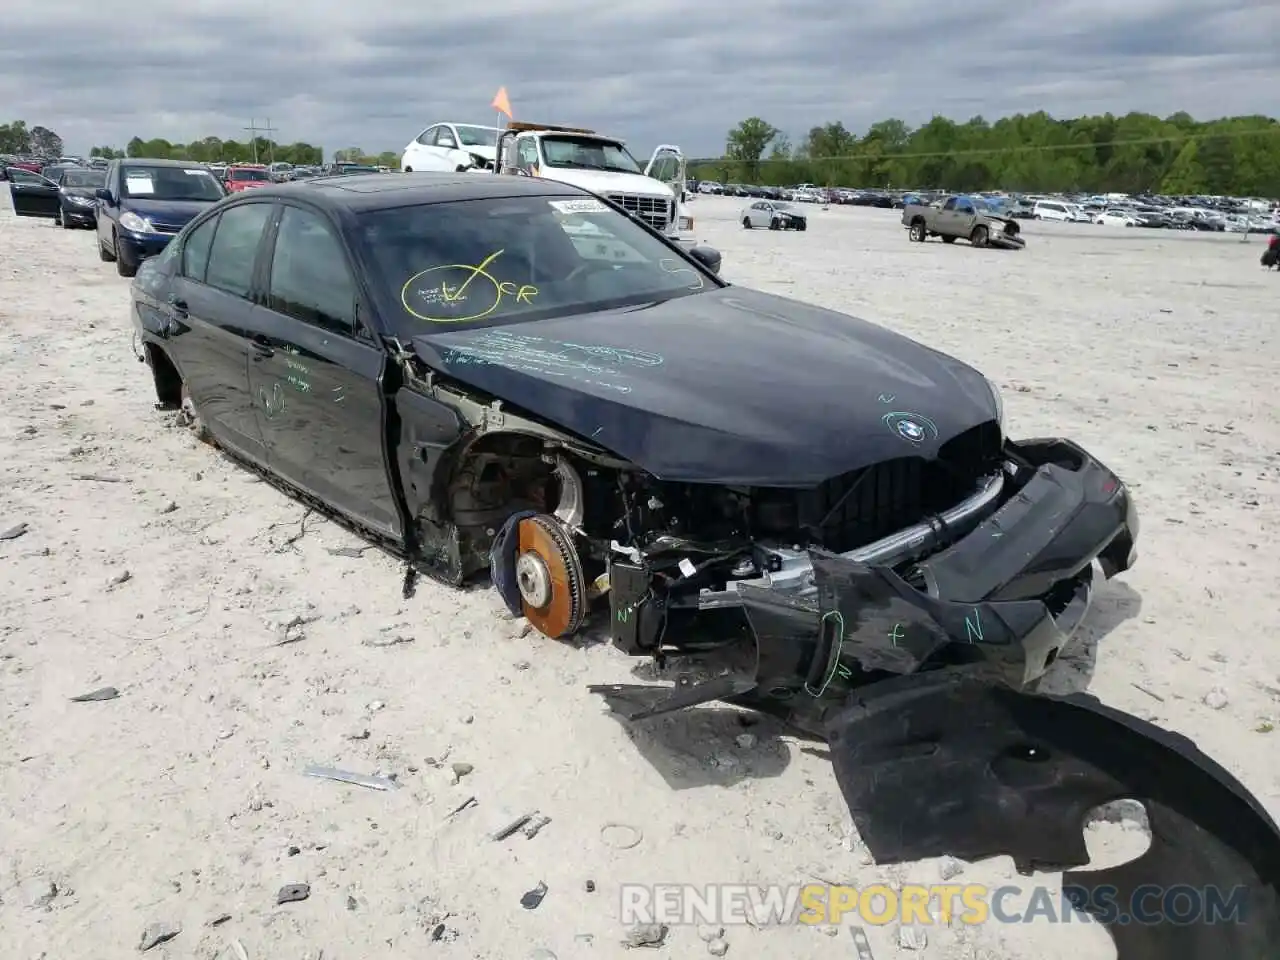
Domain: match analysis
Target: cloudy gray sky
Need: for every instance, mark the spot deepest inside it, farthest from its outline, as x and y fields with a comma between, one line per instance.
x=373, y=73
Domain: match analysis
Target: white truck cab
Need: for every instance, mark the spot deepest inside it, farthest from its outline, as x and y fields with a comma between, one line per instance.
x=583, y=158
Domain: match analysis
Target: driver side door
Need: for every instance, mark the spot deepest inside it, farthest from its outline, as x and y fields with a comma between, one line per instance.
x=947, y=219
x=32, y=194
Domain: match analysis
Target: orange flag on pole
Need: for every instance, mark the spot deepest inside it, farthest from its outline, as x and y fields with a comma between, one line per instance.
x=501, y=103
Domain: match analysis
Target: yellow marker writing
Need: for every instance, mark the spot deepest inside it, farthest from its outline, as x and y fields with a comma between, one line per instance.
x=477, y=270
x=526, y=294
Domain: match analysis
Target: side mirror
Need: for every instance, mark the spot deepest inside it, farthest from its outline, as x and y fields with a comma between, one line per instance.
x=709, y=257
x=103, y=194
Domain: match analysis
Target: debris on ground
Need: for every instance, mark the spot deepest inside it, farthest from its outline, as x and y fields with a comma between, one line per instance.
x=533, y=898
x=39, y=894
x=460, y=770
x=346, y=776
x=387, y=640
x=234, y=951
x=621, y=836
x=950, y=867
x=293, y=893
x=122, y=576
x=354, y=552
x=464, y=805
x=535, y=824
x=1215, y=699
x=718, y=947
x=158, y=933
x=646, y=935
x=912, y=937
x=103, y=693
x=503, y=832
x=14, y=532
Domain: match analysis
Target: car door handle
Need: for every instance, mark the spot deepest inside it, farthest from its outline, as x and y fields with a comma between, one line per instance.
x=262, y=348
x=179, y=308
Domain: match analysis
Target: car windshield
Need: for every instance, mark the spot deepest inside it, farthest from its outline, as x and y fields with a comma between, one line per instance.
x=254, y=175
x=84, y=178
x=170, y=183
x=477, y=136
x=587, y=153
x=488, y=262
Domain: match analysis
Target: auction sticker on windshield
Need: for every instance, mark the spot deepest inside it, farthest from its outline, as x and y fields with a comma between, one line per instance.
x=139, y=185
x=583, y=205
x=196, y=173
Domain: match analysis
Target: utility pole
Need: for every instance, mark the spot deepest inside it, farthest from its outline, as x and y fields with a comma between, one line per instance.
x=253, y=130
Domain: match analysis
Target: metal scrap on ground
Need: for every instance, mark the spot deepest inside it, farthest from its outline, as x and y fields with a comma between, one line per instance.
x=103, y=693
x=345, y=776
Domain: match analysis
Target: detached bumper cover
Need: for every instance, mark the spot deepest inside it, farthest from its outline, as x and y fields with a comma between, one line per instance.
x=943, y=764
x=1009, y=590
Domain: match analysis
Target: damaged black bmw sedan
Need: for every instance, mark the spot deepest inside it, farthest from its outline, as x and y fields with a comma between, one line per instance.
x=512, y=377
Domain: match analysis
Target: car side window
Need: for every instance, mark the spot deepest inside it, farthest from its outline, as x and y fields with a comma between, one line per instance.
x=445, y=138
x=235, y=247
x=311, y=279
x=950, y=204
x=428, y=136
x=195, y=251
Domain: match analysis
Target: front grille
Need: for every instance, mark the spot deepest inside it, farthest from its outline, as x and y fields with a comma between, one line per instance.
x=168, y=228
x=654, y=211
x=862, y=506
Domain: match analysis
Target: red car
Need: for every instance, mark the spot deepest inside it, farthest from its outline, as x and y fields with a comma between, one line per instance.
x=246, y=177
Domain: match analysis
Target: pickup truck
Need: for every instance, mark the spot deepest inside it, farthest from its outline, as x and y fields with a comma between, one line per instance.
x=965, y=217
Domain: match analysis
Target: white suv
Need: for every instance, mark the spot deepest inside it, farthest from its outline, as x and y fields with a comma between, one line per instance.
x=1053, y=210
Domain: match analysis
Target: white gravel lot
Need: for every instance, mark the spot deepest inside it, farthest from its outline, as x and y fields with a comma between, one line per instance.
x=182, y=800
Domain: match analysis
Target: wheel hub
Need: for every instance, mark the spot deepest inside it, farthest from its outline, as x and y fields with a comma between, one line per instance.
x=534, y=580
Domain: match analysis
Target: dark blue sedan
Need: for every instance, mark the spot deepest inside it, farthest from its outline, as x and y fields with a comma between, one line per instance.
x=145, y=203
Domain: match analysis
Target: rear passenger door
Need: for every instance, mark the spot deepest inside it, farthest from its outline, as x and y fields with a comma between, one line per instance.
x=211, y=311
x=315, y=372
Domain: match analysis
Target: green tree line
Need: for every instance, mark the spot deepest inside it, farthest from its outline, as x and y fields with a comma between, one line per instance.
x=1134, y=153
x=17, y=138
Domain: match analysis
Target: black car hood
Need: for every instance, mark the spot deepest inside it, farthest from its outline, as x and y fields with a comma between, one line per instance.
x=728, y=386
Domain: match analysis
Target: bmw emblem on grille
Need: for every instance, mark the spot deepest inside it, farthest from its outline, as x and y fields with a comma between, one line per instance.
x=911, y=426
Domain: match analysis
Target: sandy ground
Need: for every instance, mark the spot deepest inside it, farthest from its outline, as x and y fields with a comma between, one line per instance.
x=169, y=573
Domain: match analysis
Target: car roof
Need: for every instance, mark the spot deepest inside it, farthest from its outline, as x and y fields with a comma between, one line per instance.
x=161, y=163
x=380, y=191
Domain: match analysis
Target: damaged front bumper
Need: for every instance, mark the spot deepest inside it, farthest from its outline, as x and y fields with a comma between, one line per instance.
x=1005, y=576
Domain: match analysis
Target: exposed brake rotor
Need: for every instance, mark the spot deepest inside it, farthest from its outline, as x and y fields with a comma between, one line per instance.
x=553, y=589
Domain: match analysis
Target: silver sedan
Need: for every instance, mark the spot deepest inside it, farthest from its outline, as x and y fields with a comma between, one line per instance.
x=774, y=214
